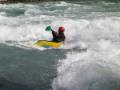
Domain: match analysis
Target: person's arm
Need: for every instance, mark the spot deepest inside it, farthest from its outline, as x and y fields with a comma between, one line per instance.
x=54, y=33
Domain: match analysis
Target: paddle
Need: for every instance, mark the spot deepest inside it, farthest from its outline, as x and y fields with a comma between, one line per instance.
x=48, y=28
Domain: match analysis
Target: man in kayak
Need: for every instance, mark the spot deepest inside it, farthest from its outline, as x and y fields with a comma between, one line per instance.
x=57, y=37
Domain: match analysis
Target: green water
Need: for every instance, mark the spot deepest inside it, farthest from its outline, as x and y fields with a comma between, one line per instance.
x=27, y=69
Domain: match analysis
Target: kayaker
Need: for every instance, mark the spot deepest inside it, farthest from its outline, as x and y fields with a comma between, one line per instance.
x=57, y=36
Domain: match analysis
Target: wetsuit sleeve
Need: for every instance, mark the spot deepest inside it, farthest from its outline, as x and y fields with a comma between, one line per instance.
x=54, y=34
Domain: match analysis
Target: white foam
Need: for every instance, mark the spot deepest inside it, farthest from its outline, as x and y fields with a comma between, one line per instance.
x=80, y=71
x=79, y=33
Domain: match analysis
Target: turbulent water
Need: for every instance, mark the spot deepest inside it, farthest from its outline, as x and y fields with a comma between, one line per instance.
x=89, y=60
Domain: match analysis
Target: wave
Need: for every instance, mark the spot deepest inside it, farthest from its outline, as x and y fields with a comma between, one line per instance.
x=98, y=67
x=90, y=70
x=79, y=33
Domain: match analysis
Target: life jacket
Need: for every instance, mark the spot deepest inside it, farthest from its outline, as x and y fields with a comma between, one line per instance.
x=58, y=37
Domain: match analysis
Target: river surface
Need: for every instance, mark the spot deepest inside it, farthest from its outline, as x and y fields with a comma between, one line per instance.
x=89, y=59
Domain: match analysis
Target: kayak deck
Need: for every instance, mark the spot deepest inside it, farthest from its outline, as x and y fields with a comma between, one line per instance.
x=46, y=44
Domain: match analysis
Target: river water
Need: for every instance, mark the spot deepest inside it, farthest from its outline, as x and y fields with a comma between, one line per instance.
x=89, y=59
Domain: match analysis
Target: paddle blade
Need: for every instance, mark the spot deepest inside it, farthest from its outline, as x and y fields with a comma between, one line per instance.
x=48, y=28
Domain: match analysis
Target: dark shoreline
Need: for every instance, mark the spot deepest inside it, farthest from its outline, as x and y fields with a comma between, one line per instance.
x=24, y=1
x=36, y=1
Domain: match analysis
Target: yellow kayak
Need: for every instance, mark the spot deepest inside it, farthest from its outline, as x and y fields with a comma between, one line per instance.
x=46, y=44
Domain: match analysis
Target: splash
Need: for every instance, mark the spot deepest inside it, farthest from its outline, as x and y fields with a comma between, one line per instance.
x=91, y=70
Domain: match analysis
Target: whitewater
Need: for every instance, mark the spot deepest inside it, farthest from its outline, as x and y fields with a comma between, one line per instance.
x=89, y=60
